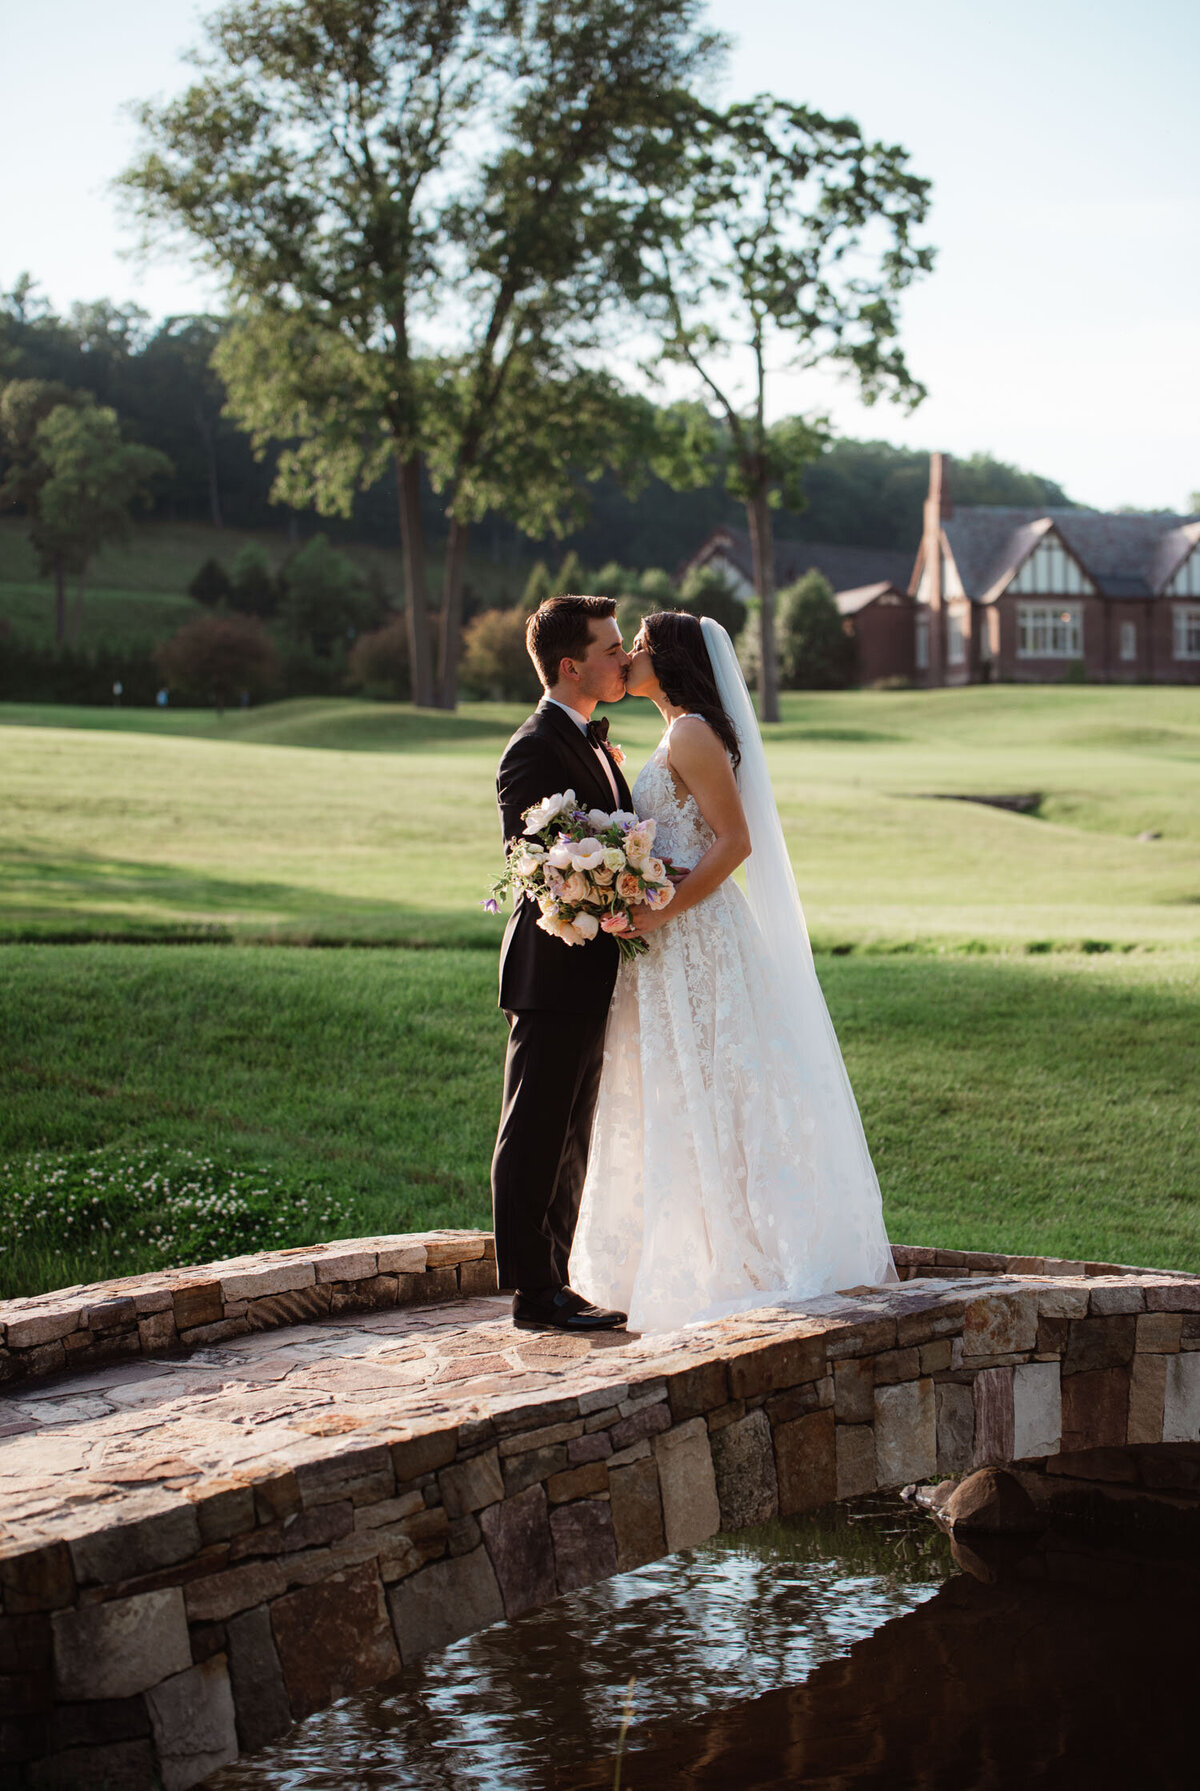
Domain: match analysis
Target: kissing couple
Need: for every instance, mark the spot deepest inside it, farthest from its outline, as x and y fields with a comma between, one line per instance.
x=678, y=1138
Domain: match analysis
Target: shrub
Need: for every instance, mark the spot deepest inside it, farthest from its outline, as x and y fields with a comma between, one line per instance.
x=326, y=599
x=379, y=661
x=211, y=584
x=30, y=674
x=254, y=589
x=215, y=658
x=494, y=662
x=655, y=588
x=708, y=591
x=815, y=652
x=538, y=587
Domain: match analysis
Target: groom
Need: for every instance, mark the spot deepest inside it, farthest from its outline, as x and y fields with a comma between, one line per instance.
x=555, y=997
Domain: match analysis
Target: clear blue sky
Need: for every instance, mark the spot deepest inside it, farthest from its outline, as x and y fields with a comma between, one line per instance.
x=1059, y=329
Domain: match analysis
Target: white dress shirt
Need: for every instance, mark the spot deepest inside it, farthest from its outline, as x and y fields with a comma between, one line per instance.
x=581, y=722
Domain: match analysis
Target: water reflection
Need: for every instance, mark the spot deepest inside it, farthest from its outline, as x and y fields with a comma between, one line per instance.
x=536, y=1705
x=853, y=1650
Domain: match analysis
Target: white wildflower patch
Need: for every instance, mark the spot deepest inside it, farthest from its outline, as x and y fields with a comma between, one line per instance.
x=108, y=1212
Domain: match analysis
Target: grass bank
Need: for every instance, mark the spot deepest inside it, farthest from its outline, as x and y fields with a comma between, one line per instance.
x=1037, y=1104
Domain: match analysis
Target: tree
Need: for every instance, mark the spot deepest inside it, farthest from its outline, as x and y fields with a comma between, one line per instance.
x=379, y=661
x=707, y=591
x=815, y=652
x=326, y=599
x=254, y=589
x=211, y=584
x=215, y=658
x=495, y=659
x=402, y=299
x=539, y=586
x=794, y=236
x=75, y=478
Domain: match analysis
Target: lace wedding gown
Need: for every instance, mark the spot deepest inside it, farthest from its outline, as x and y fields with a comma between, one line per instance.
x=727, y=1166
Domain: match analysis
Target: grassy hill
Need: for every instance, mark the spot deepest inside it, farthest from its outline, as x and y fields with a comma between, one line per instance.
x=1017, y=995
x=137, y=591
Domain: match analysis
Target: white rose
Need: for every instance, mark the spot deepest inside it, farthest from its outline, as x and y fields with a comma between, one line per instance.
x=526, y=864
x=542, y=813
x=614, y=858
x=586, y=855
x=586, y=925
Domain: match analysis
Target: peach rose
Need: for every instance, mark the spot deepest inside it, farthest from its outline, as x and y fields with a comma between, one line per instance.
x=628, y=887
x=575, y=888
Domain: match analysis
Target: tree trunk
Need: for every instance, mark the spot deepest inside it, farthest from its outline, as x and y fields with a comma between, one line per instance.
x=60, y=602
x=77, y=607
x=210, y=455
x=412, y=539
x=762, y=550
x=451, y=629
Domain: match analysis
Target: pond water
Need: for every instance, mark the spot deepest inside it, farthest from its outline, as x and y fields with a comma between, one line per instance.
x=848, y=1648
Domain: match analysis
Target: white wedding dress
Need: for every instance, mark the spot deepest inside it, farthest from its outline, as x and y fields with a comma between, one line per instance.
x=728, y=1167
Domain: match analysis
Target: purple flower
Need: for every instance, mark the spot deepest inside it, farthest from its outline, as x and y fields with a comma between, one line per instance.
x=491, y=906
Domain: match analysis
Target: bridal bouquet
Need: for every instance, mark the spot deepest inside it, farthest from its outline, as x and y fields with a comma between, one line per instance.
x=586, y=870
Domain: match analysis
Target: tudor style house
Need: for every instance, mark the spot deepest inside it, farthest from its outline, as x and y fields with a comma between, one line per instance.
x=1028, y=595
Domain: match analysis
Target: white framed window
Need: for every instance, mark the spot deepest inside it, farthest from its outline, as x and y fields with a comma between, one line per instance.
x=956, y=638
x=1049, y=631
x=1187, y=631
x=922, y=643
x=1128, y=640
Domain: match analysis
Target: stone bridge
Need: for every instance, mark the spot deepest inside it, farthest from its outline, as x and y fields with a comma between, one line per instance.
x=232, y=1495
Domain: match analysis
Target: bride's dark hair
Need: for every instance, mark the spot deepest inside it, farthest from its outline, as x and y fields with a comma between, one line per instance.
x=679, y=654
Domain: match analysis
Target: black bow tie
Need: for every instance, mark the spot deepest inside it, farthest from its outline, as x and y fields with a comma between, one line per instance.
x=597, y=731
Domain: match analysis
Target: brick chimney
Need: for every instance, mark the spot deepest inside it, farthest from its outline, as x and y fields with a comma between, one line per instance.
x=938, y=506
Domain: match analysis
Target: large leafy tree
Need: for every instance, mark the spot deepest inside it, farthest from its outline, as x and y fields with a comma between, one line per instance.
x=793, y=237
x=423, y=209
x=93, y=479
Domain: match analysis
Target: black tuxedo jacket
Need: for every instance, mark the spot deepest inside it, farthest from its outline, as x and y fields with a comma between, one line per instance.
x=547, y=754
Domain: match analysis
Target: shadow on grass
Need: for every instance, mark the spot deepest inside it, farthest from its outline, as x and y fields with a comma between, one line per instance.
x=1040, y=1105
x=69, y=898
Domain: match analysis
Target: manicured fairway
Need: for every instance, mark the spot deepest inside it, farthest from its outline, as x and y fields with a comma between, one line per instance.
x=337, y=820
x=1024, y=1103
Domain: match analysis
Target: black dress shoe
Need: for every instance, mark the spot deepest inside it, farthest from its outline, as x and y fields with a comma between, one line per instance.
x=562, y=1309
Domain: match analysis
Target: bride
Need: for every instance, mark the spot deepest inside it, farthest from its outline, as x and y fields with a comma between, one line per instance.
x=728, y=1167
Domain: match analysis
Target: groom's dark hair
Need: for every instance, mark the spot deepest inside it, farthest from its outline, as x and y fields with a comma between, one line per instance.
x=558, y=630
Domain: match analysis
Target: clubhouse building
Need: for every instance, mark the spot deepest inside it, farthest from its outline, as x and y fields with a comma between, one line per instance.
x=1022, y=595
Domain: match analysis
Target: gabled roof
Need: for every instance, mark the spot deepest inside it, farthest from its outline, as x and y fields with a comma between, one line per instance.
x=1171, y=550
x=850, y=602
x=845, y=567
x=1124, y=556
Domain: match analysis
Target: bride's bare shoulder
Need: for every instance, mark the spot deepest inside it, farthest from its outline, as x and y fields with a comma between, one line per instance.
x=691, y=737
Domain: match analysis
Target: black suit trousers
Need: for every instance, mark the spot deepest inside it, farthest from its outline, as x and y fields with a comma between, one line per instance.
x=551, y=1080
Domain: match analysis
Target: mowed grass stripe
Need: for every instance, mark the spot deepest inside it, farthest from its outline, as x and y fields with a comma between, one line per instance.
x=337, y=819
x=1040, y=1105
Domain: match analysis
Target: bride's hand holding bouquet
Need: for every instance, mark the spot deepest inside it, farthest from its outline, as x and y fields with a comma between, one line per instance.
x=588, y=871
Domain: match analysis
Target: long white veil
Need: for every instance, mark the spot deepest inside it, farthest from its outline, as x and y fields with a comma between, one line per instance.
x=774, y=901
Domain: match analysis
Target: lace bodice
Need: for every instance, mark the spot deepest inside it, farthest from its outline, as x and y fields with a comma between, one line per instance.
x=683, y=834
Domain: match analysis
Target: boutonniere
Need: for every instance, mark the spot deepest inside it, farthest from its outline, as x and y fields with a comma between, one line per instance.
x=618, y=752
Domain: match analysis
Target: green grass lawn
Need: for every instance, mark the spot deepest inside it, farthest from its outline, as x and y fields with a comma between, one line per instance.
x=336, y=819
x=1038, y=1104
x=1017, y=995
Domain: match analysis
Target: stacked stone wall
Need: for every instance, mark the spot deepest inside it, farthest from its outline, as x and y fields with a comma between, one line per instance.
x=162, y=1636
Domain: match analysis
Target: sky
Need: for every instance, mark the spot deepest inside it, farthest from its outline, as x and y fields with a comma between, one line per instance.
x=1059, y=329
